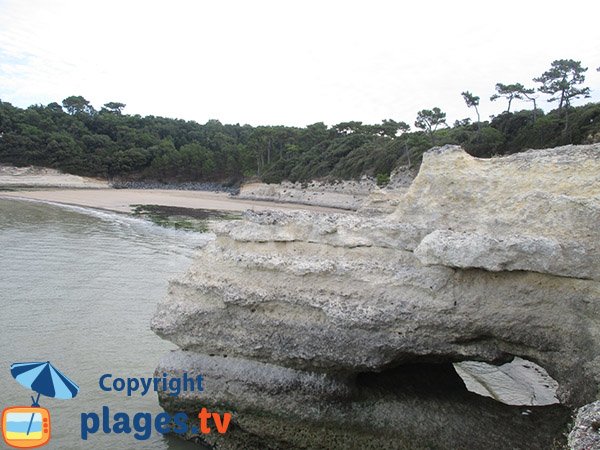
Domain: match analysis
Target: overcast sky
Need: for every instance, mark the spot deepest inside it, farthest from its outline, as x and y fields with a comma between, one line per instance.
x=288, y=62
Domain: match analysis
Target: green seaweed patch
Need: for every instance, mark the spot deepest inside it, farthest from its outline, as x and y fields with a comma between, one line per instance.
x=190, y=219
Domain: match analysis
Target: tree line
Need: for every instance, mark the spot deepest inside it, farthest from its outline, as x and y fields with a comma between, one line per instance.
x=77, y=138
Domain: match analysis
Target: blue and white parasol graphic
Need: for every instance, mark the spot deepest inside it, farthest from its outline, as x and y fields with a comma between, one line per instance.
x=45, y=379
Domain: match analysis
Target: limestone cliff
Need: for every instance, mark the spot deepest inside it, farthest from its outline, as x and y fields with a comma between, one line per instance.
x=347, y=195
x=339, y=330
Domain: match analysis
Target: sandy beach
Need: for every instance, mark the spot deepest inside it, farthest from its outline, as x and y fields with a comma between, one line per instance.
x=50, y=185
x=120, y=200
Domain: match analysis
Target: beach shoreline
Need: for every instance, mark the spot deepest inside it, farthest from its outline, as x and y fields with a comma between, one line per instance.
x=121, y=200
x=52, y=186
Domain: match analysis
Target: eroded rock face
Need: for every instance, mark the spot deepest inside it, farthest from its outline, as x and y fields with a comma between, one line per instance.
x=343, y=194
x=552, y=193
x=543, y=203
x=412, y=407
x=481, y=260
x=508, y=253
x=585, y=434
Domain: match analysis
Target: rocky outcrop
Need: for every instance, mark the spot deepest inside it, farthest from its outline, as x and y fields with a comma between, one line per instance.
x=412, y=407
x=42, y=177
x=493, y=213
x=585, y=434
x=382, y=201
x=481, y=260
x=385, y=200
x=348, y=195
x=568, y=257
x=363, y=195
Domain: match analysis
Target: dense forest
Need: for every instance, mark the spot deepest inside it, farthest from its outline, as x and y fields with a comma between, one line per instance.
x=77, y=138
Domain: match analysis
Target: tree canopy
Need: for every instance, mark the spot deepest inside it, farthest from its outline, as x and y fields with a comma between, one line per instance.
x=77, y=138
x=429, y=120
x=76, y=104
x=511, y=92
x=472, y=101
x=562, y=82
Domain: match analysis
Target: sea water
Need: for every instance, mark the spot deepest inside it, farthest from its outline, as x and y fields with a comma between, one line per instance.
x=78, y=288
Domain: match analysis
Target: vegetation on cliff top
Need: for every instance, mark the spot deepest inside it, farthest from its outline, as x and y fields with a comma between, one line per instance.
x=76, y=138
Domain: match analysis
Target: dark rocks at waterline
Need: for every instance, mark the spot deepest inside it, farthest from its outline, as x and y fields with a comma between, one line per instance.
x=188, y=186
x=414, y=406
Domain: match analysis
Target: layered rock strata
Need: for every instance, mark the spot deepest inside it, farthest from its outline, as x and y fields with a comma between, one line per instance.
x=348, y=195
x=320, y=318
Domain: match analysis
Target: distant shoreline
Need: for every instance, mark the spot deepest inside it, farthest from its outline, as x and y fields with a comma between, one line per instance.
x=50, y=185
x=31, y=177
x=121, y=200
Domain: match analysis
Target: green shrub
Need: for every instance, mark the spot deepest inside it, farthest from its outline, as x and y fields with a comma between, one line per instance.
x=382, y=179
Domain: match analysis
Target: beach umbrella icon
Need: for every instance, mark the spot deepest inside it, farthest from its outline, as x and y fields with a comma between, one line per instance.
x=45, y=379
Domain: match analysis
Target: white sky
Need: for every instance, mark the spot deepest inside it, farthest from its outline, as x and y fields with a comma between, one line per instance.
x=267, y=62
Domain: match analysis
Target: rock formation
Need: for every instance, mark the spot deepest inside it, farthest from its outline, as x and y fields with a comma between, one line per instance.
x=43, y=177
x=585, y=434
x=340, y=330
x=348, y=195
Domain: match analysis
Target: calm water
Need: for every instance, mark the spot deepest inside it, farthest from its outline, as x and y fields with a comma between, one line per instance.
x=78, y=288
